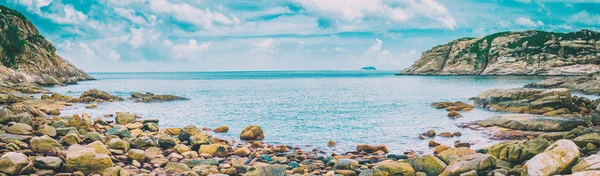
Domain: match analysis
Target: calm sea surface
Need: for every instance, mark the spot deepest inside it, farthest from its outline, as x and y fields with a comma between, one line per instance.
x=305, y=108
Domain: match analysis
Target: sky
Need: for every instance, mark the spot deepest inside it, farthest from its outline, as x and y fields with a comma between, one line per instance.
x=227, y=35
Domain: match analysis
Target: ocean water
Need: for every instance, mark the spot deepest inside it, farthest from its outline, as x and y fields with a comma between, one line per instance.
x=305, y=108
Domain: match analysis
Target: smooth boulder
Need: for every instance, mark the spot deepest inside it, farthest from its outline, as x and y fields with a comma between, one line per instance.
x=556, y=159
x=252, y=133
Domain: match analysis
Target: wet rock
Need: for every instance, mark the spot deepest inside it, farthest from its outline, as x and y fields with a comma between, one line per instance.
x=395, y=168
x=45, y=144
x=199, y=139
x=516, y=152
x=331, y=143
x=12, y=163
x=19, y=128
x=452, y=154
x=153, y=127
x=242, y=151
x=428, y=164
x=481, y=163
x=585, y=173
x=124, y=118
x=529, y=122
x=453, y=106
x=219, y=150
x=144, y=142
x=46, y=130
x=345, y=164
x=371, y=148
x=525, y=100
x=119, y=130
x=265, y=169
x=92, y=136
x=166, y=141
x=119, y=144
x=556, y=159
x=99, y=147
x=180, y=148
x=176, y=168
x=52, y=163
x=591, y=162
x=136, y=154
x=221, y=129
x=115, y=171
x=186, y=132
x=173, y=132
x=150, y=97
x=86, y=160
x=445, y=134
x=454, y=114
x=70, y=139
x=590, y=138
x=91, y=106
x=252, y=133
x=429, y=133
x=97, y=96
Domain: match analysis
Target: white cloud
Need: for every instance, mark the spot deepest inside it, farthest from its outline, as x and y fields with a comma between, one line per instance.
x=527, y=22
x=130, y=15
x=356, y=10
x=68, y=15
x=375, y=55
x=141, y=37
x=188, y=13
x=339, y=49
x=267, y=46
x=191, y=51
x=584, y=17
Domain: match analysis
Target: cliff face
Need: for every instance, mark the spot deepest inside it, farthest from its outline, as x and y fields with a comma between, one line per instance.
x=26, y=57
x=514, y=53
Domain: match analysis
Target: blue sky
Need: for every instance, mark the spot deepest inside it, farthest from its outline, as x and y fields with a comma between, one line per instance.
x=204, y=35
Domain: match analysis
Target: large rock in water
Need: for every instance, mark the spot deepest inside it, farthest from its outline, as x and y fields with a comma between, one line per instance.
x=513, y=53
x=556, y=159
x=525, y=100
x=529, y=122
x=87, y=160
x=252, y=133
x=28, y=57
x=149, y=97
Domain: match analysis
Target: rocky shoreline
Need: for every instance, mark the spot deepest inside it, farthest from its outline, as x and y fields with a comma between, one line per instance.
x=543, y=125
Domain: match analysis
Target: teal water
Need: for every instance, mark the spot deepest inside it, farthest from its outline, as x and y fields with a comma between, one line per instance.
x=305, y=108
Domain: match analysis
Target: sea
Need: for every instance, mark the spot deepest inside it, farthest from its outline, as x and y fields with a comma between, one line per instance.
x=305, y=108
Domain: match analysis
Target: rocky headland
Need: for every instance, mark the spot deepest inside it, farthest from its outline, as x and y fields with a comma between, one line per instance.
x=27, y=57
x=513, y=53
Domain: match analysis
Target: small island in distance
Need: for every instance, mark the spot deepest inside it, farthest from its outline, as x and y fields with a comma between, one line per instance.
x=368, y=68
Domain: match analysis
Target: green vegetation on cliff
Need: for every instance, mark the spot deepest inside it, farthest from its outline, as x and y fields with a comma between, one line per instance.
x=529, y=52
x=12, y=43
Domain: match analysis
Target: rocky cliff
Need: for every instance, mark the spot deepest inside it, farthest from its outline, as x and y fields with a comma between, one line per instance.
x=514, y=53
x=26, y=57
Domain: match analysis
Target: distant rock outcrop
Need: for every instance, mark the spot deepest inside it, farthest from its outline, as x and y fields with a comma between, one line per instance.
x=27, y=57
x=514, y=53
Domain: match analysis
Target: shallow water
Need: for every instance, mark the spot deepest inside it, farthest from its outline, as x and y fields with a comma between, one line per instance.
x=305, y=108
